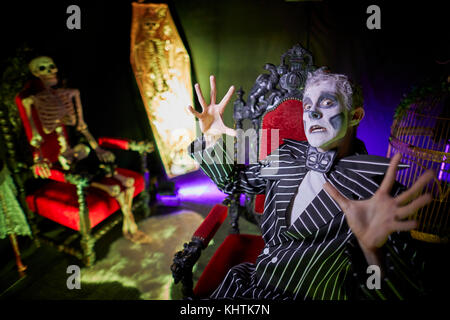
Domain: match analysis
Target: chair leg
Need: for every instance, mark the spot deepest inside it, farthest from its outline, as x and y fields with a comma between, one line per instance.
x=146, y=194
x=87, y=246
x=20, y=267
x=87, y=240
x=233, y=213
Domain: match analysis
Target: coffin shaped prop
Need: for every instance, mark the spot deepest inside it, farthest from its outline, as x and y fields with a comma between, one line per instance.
x=162, y=69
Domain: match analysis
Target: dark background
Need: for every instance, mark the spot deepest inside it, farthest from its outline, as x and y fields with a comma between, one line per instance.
x=233, y=40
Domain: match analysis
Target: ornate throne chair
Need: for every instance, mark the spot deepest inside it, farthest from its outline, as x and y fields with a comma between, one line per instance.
x=274, y=105
x=68, y=200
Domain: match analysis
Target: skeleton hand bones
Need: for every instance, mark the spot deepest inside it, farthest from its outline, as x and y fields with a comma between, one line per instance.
x=104, y=155
x=41, y=167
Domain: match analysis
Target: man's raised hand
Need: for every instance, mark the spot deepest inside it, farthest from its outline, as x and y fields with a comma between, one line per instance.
x=210, y=119
x=374, y=219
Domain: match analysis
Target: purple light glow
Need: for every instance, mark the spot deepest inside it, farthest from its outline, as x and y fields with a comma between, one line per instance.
x=194, y=187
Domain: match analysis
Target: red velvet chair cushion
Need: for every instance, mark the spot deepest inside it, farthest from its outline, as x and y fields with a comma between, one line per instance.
x=213, y=222
x=236, y=249
x=288, y=119
x=259, y=203
x=57, y=201
x=114, y=143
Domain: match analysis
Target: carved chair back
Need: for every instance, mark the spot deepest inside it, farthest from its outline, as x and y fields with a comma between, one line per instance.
x=274, y=109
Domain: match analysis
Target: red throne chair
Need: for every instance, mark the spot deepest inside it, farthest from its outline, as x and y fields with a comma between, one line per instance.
x=278, y=111
x=68, y=200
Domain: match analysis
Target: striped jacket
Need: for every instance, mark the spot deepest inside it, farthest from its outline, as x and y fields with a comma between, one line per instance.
x=317, y=257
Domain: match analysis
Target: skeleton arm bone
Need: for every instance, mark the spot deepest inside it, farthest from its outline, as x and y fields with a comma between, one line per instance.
x=103, y=155
x=41, y=167
x=81, y=125
x=36, y=138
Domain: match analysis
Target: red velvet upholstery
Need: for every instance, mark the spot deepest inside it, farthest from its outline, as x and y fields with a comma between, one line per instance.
x=57, y=201
x=113, y=143
x=259, y=203
x=288, y=119
x=236, y=248
x=210, y=225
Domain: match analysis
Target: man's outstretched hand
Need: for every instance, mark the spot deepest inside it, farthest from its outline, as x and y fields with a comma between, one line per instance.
x=373, y=220
x=210, y=119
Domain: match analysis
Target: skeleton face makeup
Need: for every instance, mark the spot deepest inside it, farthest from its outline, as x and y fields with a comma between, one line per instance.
x=45, y=69
x=325, y=117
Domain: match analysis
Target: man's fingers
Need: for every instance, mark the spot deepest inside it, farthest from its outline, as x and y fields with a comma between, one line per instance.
x=226, y=99
x=389, y=178
x=212, y=82
x=195, y=113
x=417, y=187
x=200, y=96
x=415, y=205
x=336, y=195
x=404, y=225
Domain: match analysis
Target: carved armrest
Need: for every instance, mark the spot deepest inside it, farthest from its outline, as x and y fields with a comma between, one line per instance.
x=185, y=260
x=126, y=144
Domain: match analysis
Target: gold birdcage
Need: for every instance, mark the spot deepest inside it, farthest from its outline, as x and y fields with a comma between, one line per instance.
x=420, y=132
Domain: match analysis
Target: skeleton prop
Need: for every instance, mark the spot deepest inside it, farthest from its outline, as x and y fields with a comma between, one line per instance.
x=58, y=107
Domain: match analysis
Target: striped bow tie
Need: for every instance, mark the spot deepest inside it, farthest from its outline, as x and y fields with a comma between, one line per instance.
x=320, y=161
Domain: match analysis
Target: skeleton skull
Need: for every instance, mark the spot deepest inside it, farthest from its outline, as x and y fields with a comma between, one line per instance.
x=45, y=69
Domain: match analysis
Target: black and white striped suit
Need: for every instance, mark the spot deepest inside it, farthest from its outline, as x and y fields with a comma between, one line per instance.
x=317, y=256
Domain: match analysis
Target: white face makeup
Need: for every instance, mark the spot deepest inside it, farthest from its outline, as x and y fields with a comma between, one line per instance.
x=325, y=117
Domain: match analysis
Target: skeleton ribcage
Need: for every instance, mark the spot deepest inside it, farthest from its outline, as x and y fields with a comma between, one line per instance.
x=55, y=108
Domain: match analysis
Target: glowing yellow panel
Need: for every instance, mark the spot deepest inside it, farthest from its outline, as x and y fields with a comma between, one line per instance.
x=162, y=69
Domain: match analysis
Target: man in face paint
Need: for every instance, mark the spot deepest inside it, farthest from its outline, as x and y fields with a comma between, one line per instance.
x=312, y=244
x=329, y=119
